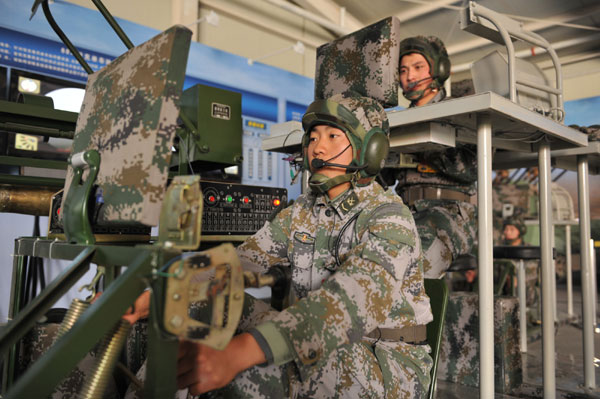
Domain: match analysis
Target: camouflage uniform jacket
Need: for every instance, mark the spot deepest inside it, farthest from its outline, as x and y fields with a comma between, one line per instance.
x=379, y=282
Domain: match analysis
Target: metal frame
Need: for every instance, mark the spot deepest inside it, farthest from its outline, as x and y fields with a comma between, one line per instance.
x=141, y=260
x=501, y=29
x=584, y=160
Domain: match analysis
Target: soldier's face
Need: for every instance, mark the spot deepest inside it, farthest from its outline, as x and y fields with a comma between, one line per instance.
x=511, y=232
x=414, y=73
x=329, y=144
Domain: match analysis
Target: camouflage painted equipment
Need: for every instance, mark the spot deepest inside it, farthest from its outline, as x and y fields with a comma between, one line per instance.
x=365, y=61
x=364, y=122
x=129, y=116
x=434, y=51
x=459, y=355
x=38, y=341
x=592, y=131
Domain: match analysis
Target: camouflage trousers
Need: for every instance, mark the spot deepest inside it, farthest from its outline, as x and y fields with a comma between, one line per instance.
x=352, y=371
x=447, y=229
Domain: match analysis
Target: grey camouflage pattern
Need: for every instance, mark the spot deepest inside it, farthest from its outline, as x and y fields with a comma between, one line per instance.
x=379, y=283
x=447, y=229
x=129, y=114
x=459, y=352
x=365, y=61
x=592, y=131
x=38, y=341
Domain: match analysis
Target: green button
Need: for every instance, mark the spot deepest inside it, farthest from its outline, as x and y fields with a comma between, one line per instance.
x=229, y=198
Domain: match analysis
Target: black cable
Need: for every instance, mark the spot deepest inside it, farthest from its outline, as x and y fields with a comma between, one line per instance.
x=34, y=278
x=25, y=283
x=64, y=38
x=339, y=238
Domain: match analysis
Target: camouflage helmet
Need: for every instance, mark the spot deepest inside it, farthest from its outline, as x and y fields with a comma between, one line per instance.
x=366, y=126
x=518, y=223
x=434, y=51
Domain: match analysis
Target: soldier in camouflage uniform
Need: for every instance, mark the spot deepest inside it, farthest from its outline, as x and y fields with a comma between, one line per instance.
x=357, y=327
x=446, y=223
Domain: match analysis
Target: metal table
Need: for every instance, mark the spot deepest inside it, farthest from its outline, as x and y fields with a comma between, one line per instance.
x=584, y=160
x=487, y=120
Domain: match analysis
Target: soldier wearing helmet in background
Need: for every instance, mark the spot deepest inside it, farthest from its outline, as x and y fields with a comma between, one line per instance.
x=513, y=231
x=444, y=180
x=357, y=327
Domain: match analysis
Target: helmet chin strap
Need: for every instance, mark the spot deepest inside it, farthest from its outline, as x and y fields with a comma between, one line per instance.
x=321, y=184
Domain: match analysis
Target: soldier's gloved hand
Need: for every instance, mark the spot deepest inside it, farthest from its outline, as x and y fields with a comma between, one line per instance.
x=140, y=309
x=203, y=369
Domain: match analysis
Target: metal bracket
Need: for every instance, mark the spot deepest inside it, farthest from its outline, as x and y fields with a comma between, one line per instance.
x=214, y=279
x=181, y=214
x=75, y=210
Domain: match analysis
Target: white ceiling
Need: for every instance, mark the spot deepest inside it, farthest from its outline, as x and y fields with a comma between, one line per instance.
x=572, y=26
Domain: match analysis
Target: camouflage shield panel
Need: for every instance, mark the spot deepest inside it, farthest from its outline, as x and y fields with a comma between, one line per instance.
x=459, y=354
x=129, y=116
x=365, y=61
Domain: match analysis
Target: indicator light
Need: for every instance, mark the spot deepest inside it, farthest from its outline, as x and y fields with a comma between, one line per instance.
x=211, y=198
x=229, y=198
x=276, y=202
x=246, y=200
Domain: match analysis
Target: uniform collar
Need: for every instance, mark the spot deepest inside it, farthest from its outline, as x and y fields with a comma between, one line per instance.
x=352, y=198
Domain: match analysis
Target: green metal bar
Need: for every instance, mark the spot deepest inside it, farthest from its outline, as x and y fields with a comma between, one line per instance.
x=64, y=38
x=16, y=294
x=63, y=356
x=105, y=255
x=23, y=321
x=161, y=366
x=111, y=21
x=33, y=162
x=32, y=181
x=35, y=115
x=37, y=130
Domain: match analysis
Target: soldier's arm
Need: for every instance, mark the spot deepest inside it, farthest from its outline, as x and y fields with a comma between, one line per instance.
x=269, y=245
x=354, y=300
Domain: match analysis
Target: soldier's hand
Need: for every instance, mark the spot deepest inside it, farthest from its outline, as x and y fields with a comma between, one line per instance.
x=140, y=309
x=203, y=369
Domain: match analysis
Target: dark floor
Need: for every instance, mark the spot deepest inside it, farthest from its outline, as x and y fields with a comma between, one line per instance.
x=569, y=360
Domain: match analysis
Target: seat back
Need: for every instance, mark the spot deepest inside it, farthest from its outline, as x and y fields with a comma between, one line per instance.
x=437, y=291
x=129, y=116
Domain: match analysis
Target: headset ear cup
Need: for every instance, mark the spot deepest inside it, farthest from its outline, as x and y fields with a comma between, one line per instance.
x=374, y=152
x=443, y=69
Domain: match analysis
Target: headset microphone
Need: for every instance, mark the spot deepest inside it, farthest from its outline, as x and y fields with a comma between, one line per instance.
x=412, y=85
x=319, y=163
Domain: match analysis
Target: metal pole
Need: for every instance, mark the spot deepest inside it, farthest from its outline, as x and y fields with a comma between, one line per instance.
x=547, y=275
x=586, y=272
x=552, y=245
x=593, y=280
x=569, y=271
x=522, y=305
x=485, y=255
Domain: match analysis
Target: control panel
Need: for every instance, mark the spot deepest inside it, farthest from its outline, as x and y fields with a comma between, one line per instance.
x=238, y=209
